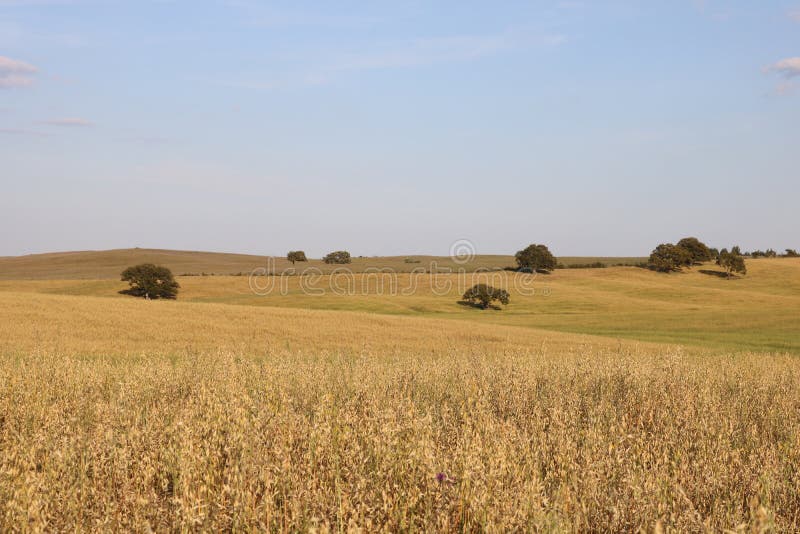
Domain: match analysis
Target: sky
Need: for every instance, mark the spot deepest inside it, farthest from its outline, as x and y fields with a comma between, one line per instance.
x=398, y=127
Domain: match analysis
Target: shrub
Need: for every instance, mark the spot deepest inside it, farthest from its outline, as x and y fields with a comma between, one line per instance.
x=296, y=255
x=696, y=249
x=668, y=257
x=150, y=281
x=535, y=258
x=340, y=257
x=482, y=295
x=732, y=263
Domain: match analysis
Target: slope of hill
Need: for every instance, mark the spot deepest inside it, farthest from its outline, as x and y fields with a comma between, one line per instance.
x=103, y=264
x=107, y=264
x=755, y=312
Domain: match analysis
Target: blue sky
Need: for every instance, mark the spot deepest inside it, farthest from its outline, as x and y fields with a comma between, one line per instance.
x=598, y=128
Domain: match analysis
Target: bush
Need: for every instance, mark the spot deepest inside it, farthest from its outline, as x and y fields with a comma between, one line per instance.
x=482, y=295
x=668, y=257
x=535, y=258
x=150, y=281
x=296, y=255
x=340, y=257
x=696, y=249
x=732, y=263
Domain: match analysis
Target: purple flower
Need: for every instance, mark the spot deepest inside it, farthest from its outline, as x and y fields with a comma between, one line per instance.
x=441, y=477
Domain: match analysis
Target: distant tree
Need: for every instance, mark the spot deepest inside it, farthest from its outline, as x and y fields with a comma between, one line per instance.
x=770, y=253
x=736, y=251
x=482, y=295
x=535, y=258
x=732, y=263
x=696, y=248
x=714, y=253
x=668, y=257
x=150, y=281
x=296, y=255
x=791, y=253
x=340, y=256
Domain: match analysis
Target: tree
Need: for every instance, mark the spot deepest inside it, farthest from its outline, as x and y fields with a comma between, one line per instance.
x=714, y=253
x=696, y=248
x=667, y=257
x=732, y=263
x=150, y=281
x=482, y=295
x=296, y=255
x=340, y=256
x=736, y=250
x=791, y=253
x=535, y=258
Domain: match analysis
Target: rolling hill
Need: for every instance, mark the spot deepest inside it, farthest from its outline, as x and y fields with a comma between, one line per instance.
x=107, y=264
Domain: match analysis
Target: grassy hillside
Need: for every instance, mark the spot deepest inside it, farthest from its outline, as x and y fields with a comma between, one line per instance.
x=757, y=312
x=108, y=264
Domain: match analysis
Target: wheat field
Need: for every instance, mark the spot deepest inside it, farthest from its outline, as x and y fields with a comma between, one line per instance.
x=221, y=411
x=130, y=415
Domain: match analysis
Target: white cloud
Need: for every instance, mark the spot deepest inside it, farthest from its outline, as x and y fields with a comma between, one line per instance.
x=15, y=73
x=794, y=15
x=789, y=67
x=69, y=121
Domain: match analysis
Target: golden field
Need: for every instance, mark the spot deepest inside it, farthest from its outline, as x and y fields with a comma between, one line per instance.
x=230, y=411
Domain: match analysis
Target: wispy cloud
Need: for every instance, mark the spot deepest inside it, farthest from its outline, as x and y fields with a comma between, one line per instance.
x=258, y=14
x=21, y=131
x=425, y=52
x=789, y=67
x=15, y=73
x=403, y=55
x=794, y=15
x=68, y=122
x=26, y=3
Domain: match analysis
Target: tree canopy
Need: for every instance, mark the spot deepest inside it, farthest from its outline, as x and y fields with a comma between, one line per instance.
x=296, y=255
x=482, y=295
x=667, y=257
x=696, y=248
x=535, y=258
x=150, y=281
x=340, y=256
x=732, y=263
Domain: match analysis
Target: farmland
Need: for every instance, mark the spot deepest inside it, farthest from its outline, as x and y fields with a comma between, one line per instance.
x=607, y=399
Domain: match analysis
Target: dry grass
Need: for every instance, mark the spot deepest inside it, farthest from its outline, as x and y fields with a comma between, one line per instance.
x=130, y=415
x=524, y=441
x=108, y=264
x=756, y=313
